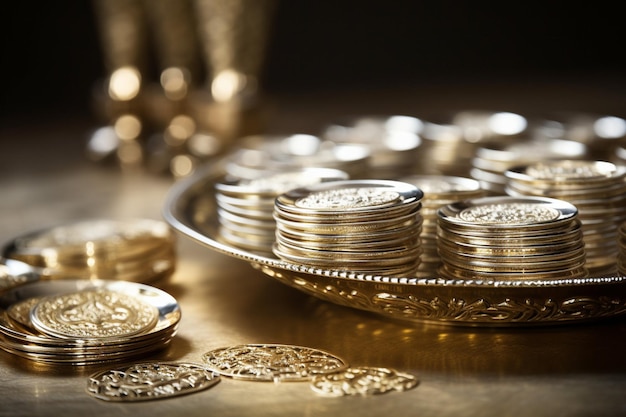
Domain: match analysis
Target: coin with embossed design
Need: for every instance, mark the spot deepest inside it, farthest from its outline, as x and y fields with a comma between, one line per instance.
x=150, y=381
x=349, y=198
x=93, y=314
x=364, y=380
x=272, y=362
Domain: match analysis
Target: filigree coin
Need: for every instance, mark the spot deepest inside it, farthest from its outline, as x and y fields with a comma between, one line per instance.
x=93, y=314
x=266, y=362
x=363, y=380
x=150, y=381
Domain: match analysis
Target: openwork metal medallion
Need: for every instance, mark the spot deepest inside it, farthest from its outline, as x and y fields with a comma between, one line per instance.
x=363, y=381
x=150, y=381
x=268, y=362
x=93, y=314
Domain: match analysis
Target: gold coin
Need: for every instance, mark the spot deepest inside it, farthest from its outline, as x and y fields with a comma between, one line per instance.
x=272, y=362
x=150, y=381
x=363, y=380
x=93, y=314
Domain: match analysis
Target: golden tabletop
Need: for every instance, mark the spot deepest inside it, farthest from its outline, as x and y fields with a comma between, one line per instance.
x=572, y=370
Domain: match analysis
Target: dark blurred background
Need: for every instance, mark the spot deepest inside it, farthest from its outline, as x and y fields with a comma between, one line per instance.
x=51, y=54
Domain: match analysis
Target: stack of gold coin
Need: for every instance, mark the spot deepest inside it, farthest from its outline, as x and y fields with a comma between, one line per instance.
x=621, y=258
x=596, y=188
x=439, y=191
x=83, y=322
x=504, y=238
x=493, y=159
x=360, y=226
x=246, y=207
x=262, y=155
x=139, y=250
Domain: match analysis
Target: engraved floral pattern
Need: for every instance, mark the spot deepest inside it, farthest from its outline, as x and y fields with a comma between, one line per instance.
x=272, y=362
x=149, y=381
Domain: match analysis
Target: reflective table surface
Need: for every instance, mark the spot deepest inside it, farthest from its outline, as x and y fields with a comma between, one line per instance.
x=568, y=370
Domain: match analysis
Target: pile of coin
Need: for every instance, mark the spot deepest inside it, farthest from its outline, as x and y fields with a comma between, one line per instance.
x=261, y=155
x=246, y=206
x=444, y=151
x=361, y=226
x=138, y=250
x=509, y=238
x=83, y=322
x=394, y=141
x=439, y=191
x=596, y=188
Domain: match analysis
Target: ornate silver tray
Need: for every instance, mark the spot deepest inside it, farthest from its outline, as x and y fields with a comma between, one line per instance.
x=190, y=208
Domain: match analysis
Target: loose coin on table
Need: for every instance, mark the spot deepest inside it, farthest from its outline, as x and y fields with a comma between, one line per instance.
x=272, y=362
x=150, y=381
x=363, y=380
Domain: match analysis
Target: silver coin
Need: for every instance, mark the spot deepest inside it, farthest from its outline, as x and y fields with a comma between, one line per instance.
x=348, y=197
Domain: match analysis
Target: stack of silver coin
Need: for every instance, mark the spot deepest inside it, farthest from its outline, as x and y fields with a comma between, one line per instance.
x=444, y=151
x=439, y=191
x=138, y=250
x=84, y=322
x=367, y=227
x=493, y=159
x=246, y=206
x=449, y=147
x=394, y=141
x=509, y=238
x=596, y=188
x=262, y=155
